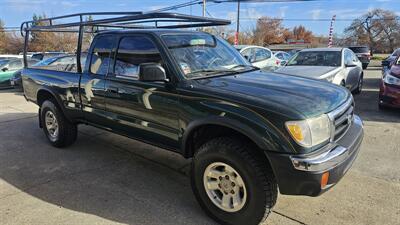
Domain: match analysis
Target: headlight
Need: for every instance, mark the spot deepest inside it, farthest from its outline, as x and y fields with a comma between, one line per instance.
x=389, y=79
x=330, y=79
x=310, y=132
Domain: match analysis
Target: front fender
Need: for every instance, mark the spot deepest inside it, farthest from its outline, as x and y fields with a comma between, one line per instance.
x=243, y=120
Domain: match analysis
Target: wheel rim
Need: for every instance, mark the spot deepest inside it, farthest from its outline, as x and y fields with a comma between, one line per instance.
x=51, y=124
x=225, y=187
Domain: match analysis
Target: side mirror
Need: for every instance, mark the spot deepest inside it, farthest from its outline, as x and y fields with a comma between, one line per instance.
x=149, y=72
x=350, y=65
x=4, y=69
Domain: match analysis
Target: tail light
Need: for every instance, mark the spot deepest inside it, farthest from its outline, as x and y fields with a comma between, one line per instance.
x=277, y=62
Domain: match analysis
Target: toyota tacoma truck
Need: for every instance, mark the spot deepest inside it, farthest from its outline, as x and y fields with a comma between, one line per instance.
x=249, y=133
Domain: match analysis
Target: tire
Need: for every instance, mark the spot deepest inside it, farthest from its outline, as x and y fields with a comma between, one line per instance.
x=60, y=133
x=383, y=107
x=260, y=187
x=365, y=66
x=359, y=85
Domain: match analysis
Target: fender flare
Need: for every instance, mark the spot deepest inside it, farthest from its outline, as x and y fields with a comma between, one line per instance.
x=226, y=122
x=56, y=97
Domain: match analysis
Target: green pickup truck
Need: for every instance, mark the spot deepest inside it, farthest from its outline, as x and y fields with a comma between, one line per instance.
x=249, y=133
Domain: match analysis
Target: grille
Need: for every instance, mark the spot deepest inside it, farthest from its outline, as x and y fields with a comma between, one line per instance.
x=342, y=119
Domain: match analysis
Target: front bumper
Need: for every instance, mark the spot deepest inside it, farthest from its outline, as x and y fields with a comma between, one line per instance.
x=302, y=174
x=389, y=95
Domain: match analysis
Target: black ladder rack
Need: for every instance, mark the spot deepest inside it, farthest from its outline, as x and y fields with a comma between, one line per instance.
x=122, y=20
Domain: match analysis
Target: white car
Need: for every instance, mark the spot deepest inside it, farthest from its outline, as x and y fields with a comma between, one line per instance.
x=283, y=56
x=260, y=57
x=337, y=65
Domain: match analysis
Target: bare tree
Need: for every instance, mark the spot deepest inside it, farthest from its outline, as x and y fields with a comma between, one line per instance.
x=269, y=31
x=377, y=28
x=301, y=33
x=2, y=37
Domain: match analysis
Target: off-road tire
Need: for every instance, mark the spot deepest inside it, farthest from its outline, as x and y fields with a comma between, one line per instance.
x=257, y=175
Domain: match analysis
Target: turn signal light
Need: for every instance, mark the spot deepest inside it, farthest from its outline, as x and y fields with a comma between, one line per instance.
x=296, y=132
x=324, y=180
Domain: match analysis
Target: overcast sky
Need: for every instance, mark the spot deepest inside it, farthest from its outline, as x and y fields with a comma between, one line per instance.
x=13, y=12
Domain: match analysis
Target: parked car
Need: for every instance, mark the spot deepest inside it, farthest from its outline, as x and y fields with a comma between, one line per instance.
x=336, y=65
x=386, y=64
x=249, y=133
x=8, y=67
x=293, y=52
x=4, y=57
x=260, y=57
x=283, y=56
x=45, y=55
x=363, y=54
x=389, y=91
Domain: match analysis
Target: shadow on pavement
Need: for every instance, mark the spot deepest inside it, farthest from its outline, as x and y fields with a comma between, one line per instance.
x=94, y=177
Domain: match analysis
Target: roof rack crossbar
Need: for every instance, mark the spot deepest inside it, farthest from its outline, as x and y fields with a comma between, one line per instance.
x=124, y=20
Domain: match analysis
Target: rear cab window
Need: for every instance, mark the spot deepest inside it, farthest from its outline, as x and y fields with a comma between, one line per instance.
x=100, y=56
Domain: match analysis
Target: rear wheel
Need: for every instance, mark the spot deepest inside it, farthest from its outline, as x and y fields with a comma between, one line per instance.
x=365, y=66
x=58, y=130
x=231, y=183
x=359, y=85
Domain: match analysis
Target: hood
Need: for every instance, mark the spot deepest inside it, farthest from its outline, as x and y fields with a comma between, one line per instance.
x=289, y=95
x=314, y=72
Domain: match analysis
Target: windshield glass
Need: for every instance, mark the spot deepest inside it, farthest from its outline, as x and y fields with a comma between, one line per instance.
x=316, y=58
x=359, y=49
x=201, y=55
x=3, y=62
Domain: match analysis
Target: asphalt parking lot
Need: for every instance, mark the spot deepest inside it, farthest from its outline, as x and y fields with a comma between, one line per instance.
x=108, y=179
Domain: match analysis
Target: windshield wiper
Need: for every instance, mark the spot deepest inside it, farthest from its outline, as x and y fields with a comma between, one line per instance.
x=246, y=66
x=211, y=72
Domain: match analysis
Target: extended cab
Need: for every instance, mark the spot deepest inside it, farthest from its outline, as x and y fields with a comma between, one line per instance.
x=250, y=133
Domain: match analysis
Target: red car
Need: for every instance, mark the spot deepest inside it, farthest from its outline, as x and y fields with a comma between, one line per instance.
x=389, y=93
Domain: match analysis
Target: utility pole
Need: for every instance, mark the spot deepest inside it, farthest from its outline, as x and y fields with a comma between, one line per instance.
x=237, y=24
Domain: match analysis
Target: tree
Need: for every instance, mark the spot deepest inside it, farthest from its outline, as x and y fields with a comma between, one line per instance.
x=269, y=31
x=301, y=33
x=377, y=28
x=2, y=37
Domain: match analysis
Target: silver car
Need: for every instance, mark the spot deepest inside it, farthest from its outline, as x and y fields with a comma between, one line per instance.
x=337, y=65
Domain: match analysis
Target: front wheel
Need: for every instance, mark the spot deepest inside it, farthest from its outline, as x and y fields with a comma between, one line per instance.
x=58, y=130
x=232, y=184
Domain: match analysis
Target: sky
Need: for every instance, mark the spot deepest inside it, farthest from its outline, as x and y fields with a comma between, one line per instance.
x=13, y=12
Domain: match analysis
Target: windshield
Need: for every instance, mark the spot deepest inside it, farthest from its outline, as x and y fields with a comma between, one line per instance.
x=359, y=49
x=201, y=55
x=316, y=58
x=3, y=62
